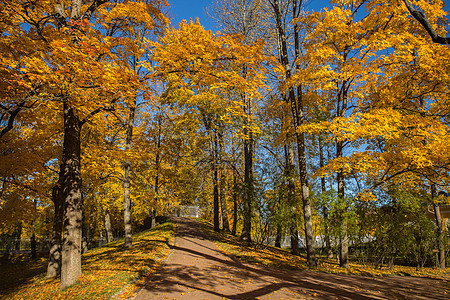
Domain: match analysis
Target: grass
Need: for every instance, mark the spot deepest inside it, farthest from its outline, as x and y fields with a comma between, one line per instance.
x=281, y=258
x=107, y=270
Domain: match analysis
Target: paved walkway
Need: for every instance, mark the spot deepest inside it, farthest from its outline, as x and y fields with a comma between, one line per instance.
x=197, y=269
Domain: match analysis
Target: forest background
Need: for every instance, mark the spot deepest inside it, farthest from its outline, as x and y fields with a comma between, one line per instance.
x=328, y=126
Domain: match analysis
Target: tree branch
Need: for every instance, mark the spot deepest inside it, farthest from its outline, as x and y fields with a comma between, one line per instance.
x=12, y=117
x=108, y=108
x=423, y=20
x=95, y=4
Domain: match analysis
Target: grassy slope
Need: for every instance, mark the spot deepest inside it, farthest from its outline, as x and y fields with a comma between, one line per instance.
x=106, y=270
x=281, y=258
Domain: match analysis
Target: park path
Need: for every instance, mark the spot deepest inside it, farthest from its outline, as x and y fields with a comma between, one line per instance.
x=196, y=269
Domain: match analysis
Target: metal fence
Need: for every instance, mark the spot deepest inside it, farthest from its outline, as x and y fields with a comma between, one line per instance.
x=18, y=246
x=10, y=245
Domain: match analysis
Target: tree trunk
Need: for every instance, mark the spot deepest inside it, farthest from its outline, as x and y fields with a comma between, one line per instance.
x=343, y=256
x=216, y=198
x=306, y=199
x=109, y=234
x=127, y=181
x=295, y=245
x=213, y=150
x=127, y=206
x=297, y=114
x=291, y=197
x=84, y=241
x=279, y=225
x=278, y=236
x=71, y=193
x=70, y=173
x=325, y=205
x=18, y=237
x=33, y=240
x=235, y=204
x=223, y=204
x=222, y=198
x=248, y=173
x=309, y=235
x=215, y=155
x=340, y=112
x=157, y=171
x=54, y=261
x=439, y=230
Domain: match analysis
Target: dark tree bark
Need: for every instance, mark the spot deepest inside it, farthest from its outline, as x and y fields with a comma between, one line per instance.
x=13, y=113
x=127, y=181
x=157, y=170
x=423, y=20
x=279, y=226
x=247, y=198
x=71, y=193
x=33, y=240
x=70, y=177
x=343, y=258
x=278, y=236
x=342, y=100
x=215, y=167
x=439, y=229
x=84, y=236
x=223, y=203
x=222, y=198
x=297, y=114
x=235, y=204
x=54, y=262
x=18, y=236
x=325, y=205
x=291, y=199
x=213, y=151
x=216, y=197
x=295, y=242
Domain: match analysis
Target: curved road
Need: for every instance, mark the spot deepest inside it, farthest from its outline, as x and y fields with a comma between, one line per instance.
x=196, y=269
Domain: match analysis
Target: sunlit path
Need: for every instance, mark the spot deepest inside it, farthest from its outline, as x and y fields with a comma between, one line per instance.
x=197, y=269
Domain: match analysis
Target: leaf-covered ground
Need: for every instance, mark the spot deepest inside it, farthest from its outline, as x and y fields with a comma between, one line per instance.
x=281, y=258
x=107, y=270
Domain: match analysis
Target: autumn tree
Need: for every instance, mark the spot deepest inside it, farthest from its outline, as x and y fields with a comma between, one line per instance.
x=200, y=67
x=144, y=22
x=279, y=12
x=380, y=67
x=76, y=71
x=243, y=18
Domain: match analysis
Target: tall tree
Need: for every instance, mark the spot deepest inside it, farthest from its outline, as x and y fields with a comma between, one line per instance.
x=243, y=18
x=375, y=91
x=199, y=75
x=222, y=196
x=439, y=228
x=73, y=72
x=295, y=101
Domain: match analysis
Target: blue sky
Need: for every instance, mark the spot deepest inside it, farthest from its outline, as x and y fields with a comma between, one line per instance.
x=187, y=9
x=191, y=9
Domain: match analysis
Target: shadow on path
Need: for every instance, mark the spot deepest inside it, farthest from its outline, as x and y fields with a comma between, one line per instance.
x=197, y=269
